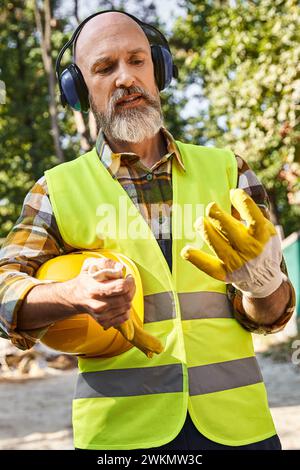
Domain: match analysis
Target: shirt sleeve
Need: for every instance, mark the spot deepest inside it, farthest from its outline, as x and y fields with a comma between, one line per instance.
x=248, y=181
x=34, y=239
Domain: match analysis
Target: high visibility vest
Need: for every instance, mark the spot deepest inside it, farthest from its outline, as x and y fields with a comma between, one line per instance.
x=208, y=365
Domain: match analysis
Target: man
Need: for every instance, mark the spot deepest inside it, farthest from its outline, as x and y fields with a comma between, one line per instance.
x=208, y=365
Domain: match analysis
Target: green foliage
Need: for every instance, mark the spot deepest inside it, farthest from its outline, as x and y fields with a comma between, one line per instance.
x=25, y=139
x=244, y=58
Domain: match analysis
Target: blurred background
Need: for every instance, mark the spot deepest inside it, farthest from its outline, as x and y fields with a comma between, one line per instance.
x=238, y=87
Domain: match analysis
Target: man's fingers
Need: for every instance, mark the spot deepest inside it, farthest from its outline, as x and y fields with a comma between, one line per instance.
x=251, y=213
x=111, y=310
x=211, y=265
x=129, y=285
x=218, y=242
x=236, y=233
x=116, y=322
x=116, y=287
x=112, y=317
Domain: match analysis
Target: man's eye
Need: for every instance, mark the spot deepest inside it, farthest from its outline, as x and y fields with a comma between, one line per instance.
x=105, y=70
x=138, y=62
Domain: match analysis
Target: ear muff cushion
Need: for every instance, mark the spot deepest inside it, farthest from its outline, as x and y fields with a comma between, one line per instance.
x=69, y=90
x=159, y=68
x=168, y=65
x=81, y=87
x=74, y=88
x=163, y=65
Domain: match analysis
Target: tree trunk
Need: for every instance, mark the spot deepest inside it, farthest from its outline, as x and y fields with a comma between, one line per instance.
x=76, y=6
x=83, y=131
x=86, y=128
x=45, y=34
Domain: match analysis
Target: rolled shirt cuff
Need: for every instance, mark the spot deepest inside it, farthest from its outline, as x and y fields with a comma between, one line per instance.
x=9, y=314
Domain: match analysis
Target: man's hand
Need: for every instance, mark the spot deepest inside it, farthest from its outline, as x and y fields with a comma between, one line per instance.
x=249, y=256
x=101, y=290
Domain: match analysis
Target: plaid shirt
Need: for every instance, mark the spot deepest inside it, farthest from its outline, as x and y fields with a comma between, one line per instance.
x=36, y=238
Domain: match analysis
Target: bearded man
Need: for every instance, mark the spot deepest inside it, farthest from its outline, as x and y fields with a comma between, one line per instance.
x=205, y=390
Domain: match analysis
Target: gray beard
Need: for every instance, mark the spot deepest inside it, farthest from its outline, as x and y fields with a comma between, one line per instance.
x=131, y=124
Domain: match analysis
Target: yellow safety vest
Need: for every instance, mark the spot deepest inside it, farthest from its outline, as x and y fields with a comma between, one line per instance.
x=208, y=365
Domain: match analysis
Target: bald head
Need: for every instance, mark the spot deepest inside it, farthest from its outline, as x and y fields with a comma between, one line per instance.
x=103, y=31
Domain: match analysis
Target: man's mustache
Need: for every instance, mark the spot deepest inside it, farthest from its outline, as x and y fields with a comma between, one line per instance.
x=121, y=92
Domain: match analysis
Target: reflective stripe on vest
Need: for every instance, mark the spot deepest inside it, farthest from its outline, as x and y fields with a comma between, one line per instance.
x=224, y=376
x=187, y=310
x=168, y=379
x=130, y=382
x=196, y=305
x=193, y=305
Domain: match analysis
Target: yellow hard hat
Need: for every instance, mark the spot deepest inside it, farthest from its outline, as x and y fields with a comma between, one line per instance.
x=80, y=334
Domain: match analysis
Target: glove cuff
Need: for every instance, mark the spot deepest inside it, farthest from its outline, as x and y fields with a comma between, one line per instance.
x=266, y=289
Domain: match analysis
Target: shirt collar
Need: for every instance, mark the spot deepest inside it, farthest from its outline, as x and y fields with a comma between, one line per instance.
x=112, y=161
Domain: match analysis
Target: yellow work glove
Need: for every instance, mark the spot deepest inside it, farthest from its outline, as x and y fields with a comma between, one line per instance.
x=132, y=329
x=147, y=343
x=248, y=257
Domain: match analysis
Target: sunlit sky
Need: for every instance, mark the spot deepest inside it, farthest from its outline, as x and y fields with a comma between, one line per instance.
x=168, y=9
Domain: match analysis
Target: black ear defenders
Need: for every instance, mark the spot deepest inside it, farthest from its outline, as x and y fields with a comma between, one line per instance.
x=73, y=90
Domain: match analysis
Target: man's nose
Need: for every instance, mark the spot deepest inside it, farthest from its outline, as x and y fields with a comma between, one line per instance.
x=124, y=77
